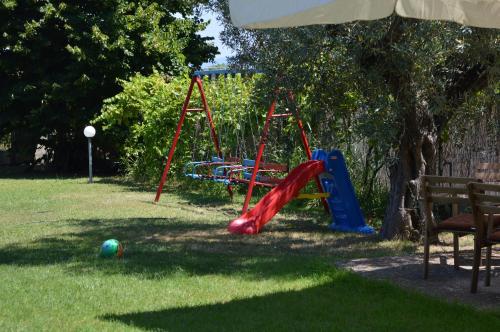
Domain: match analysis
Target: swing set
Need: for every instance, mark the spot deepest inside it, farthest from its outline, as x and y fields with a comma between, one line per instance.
x=238, y=170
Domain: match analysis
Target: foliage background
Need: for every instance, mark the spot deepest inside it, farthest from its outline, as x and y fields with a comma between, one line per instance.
x=59, y=60
x=144, y=117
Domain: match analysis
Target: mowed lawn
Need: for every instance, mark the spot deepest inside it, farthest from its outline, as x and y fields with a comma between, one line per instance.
x=183, y=272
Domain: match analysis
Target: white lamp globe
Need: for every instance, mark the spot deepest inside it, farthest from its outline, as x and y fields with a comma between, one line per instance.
x=89, y=131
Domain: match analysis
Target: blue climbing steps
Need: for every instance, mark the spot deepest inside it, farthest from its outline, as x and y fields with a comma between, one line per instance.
x=344, y=207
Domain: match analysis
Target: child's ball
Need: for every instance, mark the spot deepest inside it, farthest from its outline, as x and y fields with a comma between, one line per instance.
x=111, y=248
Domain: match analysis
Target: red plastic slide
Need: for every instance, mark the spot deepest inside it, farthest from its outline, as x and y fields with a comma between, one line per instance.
x=252, y=221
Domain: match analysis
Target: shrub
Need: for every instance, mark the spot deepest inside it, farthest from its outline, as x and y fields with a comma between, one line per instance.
x=144, y=117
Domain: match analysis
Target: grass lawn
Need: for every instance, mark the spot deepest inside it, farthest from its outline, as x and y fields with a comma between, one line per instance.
x=183, y=272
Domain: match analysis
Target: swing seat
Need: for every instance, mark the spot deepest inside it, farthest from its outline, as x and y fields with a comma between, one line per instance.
x=261, y=179
x=192, y=169
x=209, y=170
x=224, y=181
x=216, y=171
x=195, y=176
x=234, y=174
x=247, y=174
x=226, y=173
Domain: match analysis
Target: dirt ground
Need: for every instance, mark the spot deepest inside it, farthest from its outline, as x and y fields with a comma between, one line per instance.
x=444, y=281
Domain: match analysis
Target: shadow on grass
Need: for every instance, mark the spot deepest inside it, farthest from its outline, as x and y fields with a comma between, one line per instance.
x=27, y=173
x=205, y=193
x=345, y=303
x=212, y=194
x=202, y=193
x=204, y=198
x=30, y=173
x=159, y=247
x=126, y=184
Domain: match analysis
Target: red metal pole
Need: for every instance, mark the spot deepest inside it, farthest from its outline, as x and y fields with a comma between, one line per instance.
x=262, y=145
x=213, y=134
x=303, y=136
x=305, y=142
x=176, y=138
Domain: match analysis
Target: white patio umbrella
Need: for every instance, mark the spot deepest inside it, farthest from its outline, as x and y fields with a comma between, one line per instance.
x=261, y=14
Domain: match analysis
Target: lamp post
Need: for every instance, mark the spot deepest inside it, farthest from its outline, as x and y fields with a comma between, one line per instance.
x=89, y=132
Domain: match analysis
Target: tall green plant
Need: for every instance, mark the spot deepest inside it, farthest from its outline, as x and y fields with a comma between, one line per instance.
x=144, y=117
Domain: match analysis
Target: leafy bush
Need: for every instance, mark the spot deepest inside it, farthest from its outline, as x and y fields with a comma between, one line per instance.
x=144, y=117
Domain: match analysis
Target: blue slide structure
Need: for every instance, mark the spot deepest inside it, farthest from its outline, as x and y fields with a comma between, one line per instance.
x=342, y=201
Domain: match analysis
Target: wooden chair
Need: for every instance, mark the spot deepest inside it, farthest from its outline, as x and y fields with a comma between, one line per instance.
x=485, y=201
x=445, y=190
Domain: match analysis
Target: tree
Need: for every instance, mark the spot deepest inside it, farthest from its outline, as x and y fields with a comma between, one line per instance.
x=60, y=60
x=429, y=68
x=395, y=83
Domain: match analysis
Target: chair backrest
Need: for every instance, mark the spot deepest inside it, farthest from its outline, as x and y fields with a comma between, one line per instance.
x=485, y=201
x=444, y=190
x=488, y=172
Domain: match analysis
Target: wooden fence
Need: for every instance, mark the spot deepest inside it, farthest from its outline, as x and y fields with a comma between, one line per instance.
x=479, y=143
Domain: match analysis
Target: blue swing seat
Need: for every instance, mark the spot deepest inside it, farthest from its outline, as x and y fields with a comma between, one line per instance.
x=190, y=169
x=218, y=171
x=247, y=174
x=245, y=170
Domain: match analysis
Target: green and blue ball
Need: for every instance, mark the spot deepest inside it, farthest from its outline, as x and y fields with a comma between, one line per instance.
x=111, y=248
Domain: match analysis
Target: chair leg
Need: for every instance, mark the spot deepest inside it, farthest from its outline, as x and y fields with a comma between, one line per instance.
x=487, y=281
x=476, y=263
x=456, y=254
x=426, y=255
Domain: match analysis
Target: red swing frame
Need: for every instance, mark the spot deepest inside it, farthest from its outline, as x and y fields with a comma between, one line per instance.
x=196, y=80
x=263, y=140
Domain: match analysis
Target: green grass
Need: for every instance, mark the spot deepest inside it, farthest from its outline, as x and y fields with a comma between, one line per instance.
x=183, y=272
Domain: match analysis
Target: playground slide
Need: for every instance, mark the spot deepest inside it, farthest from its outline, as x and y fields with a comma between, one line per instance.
x=344, y=206
x=335, y=180
x=252, y=221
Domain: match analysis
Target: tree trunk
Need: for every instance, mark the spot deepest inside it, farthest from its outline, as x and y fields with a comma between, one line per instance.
x=415, y=157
